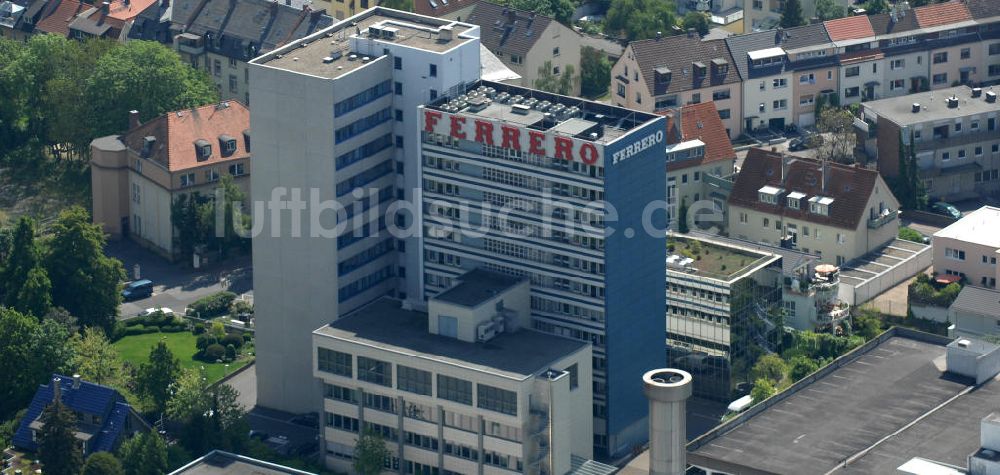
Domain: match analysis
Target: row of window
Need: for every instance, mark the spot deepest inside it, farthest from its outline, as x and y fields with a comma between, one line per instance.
x=364, y=257
x=365, y=283
x=361, y=179
x=360, y=99
x=364, y=151
x=363, y=125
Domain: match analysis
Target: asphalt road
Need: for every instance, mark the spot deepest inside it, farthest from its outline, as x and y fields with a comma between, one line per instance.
x=177, y=285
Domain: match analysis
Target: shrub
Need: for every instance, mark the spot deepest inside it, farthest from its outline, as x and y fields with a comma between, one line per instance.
x=230, y=352
x=232, y=339
x=247, y=338
x=213, y=305
x=908, y=234
x=214, y=352
x=198, y=329
x=118, y=331
x=173, y=328
x=204, y=341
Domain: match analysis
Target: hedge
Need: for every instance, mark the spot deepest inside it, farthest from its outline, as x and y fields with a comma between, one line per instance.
x=213, y=305
x=214, y=352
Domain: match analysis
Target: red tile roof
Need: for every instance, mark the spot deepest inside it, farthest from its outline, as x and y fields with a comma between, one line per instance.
x=122, y=10
x=176, y=133
x=56, y=17
x=941, y=14
x=702, y=122
x=849, y=186
x=850, y=28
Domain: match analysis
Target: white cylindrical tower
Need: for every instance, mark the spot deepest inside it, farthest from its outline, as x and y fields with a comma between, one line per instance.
x=667, y=391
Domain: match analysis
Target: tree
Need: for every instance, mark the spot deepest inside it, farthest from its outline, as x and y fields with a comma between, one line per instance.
x=641, y=19
x=682, y=218
x=144, y=454
x=57, y=447
x=189, y=395
x=907, y=185
x=874, y=7
x=370, y=453
x=828, y=10
x=157, y=375
x=762, y=389
x=770, y=367
x=867, y=324
x=697, y=21
x=145, y=76
x=30, y=351
x=102, y=463
x=34, y=297
x=801, y=366
x=837, y=127
x=791, y=16
x=404, y=5
x=85, y=282
x=23, y=258
x=560, y=10
x=562, y=83
x=595, y=72
x=96, y=360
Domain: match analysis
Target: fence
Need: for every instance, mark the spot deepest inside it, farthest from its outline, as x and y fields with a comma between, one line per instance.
x=887, y=279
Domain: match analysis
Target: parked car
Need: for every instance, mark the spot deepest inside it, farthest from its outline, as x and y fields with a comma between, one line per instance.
x=946, y=209
x=149, y=311
x=138, y=289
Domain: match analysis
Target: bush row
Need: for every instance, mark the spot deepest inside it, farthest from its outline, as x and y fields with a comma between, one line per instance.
x=213, y=305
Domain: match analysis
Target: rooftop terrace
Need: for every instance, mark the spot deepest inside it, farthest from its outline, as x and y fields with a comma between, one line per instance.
x=934, y=105
x=328, y=53
x=712, y=259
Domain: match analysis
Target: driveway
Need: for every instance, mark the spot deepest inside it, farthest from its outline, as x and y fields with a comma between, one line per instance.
x=178, y=285
x=283, y=435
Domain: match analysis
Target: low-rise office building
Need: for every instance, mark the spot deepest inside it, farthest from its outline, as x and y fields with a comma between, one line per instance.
x=969, y=248
x=463, y=386
x=137, y=176
x=953, y=133
x=837, y=212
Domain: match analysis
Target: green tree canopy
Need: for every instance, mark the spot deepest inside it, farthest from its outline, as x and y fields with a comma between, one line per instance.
x=867, y=324
x=35, y=296
x=102, y=463
x=96, y=360
x=157, y=375
x=874, y=7
x=57, y=447
x=801, y=366
x=770, y=367
x=697, y=21
x=23, y=257
x=85, y=281
x=829, y=10
x=144, y=454
x=595, y=72
x=562, y=83
x=30, y=351
x=560, y=10
x=370, y=453
x=762, y=389
x=791, y=16
x=641, y=19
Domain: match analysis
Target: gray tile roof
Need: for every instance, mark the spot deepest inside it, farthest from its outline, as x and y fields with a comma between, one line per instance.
x=884, y=25
x=506, y=30
x=803, y=36
x=743, y=44
x=978, y=300
x=982, y=9
x=678, y=53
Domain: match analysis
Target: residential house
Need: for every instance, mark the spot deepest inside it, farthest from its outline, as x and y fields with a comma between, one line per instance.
x=907, y=63
x=13, y=20
x=812, y=57
x=700, y=158
x=837, y=212
x=969, y=248
x=667, y=72
x=768, y=94
x=137, y=176
x=951, y=38
x=861, y=61
x=526, y=42
x=954, y=132
x=987, y=15
x=56, y=16
x=762, y=15
x=104, y=418
x=222, y=35
x=451, y=9
x=727, y=14
x=338, y=9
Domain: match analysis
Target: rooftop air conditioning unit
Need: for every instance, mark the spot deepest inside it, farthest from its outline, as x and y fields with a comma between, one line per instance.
x=521, y=109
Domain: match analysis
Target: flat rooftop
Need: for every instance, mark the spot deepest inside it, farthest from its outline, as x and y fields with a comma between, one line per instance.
x=981, y=227
x=386, y=325
x=894, y=401
x=218, y=462
x=933, y=105
x=713, y=259
x=544, y=111
x=327, y=53
x=477, y=286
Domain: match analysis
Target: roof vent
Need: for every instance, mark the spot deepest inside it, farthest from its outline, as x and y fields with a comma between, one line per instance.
x=963, y=343
x=953, y=102
x=977, y=91
x=991, y=97
x=365, y=59
x=445, y=33
x=520, y=109
x=916, y=107
x=327, y=60
x=352, y=57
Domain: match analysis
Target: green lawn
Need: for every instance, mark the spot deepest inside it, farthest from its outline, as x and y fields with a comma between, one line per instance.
x=135, y=349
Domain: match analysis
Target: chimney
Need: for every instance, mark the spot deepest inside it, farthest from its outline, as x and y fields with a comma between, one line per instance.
x=133, y=119
x=105, y=6
x=76, y=381
x=56, y=389
x=667, y=391
x=692, y=33
x=952, y=102
x=659, y=35
x=916, y=107
x=824, y=170
x=785, y=162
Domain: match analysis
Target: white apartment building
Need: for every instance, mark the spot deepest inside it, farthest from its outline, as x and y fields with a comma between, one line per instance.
x=970, y=247
x=335, y=112
x=461, y=387
x=767, y=80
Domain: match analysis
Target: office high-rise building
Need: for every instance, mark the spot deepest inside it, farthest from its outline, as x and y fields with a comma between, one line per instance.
x=512, y=178
x=335, y=113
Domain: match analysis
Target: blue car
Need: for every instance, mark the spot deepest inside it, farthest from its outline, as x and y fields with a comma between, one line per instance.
x=946, y=209
x=138, y=289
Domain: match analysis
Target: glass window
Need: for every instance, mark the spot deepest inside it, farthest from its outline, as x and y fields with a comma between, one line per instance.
x=454, y=389
x=496, y=399
x=413, y=380
x=335, y=362
x=375, y=371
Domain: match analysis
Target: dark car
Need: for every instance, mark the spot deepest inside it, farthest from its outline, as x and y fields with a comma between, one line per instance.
x=798, y=143
x=946, y=209
x=138, y=289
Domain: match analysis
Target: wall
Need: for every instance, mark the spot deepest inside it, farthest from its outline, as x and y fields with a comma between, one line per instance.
x=109, y=184
x=887, y=280
x=555, y=36
x=868, y=71
x=822, y=79
x=914, y=64
x=953, y=67
x=755, y=94
x=973, y=267
x=153, y=211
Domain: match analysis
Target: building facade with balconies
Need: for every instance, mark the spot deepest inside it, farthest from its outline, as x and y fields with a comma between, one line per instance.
x=460, y=386
x=953, y=133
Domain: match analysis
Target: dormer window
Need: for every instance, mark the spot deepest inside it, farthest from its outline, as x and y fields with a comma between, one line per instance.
x=769, y=194
x=662, y=75
x=820, y=205
x=147, y=145
x=720, y=66
x=794, y=199
x=203, y=148
x=227, y=144
x=699, y=69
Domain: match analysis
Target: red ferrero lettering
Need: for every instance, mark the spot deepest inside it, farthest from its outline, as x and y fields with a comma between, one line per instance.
x=564, y=147
x=588, y=153
x=484, y=132
x=456, y=127
x=511, y=137
x=535, y=142
x=431, y=118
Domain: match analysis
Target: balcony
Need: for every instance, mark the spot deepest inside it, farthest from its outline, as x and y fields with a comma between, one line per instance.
x=886, y=218
x=724, y=183
x=833, y=313
x=190, y=44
